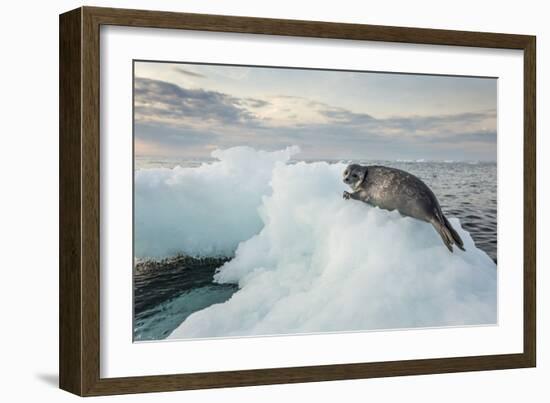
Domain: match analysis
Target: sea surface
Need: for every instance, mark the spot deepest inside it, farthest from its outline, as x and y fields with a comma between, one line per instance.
x=168, y=291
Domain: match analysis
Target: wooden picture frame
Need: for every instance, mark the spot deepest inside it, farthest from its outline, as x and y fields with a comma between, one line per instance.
x=79, y=280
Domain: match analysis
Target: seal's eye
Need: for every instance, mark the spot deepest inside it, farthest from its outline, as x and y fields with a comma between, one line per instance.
x=354, y=176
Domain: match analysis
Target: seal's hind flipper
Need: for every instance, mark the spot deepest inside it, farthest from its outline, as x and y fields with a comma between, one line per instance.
x=444, y=234
x=456, y=238
x=447, y=233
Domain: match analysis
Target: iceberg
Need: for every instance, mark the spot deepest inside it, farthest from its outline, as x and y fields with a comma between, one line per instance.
x=205, y=210
x=304, y=259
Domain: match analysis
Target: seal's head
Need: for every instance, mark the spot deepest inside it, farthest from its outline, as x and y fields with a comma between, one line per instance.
x=354, y=175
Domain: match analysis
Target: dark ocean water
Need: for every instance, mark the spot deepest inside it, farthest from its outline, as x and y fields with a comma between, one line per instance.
x=166, y=292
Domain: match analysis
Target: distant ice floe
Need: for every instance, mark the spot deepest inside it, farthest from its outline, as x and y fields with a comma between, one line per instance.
x=305, y=259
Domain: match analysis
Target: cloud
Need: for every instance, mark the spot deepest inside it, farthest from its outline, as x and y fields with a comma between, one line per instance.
x=161, y=101
x=178, y=118
x=429, y=123
x=151, y=138
x=489, y=137
x=174, y=136
x=254, y=103
x=345, y=116
x=189, y=73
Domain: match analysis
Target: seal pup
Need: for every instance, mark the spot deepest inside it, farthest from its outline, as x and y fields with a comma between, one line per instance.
x=394, y=189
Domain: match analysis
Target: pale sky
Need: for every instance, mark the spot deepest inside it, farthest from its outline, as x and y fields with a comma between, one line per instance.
x=187, y=110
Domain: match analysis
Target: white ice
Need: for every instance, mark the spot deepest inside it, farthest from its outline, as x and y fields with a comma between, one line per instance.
x=203, y=211
x=311, y=261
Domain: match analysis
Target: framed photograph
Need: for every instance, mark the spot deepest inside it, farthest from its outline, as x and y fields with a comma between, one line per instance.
x=248, y=201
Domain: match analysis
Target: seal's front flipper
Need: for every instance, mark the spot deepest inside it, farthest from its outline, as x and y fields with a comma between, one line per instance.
x=348, y=195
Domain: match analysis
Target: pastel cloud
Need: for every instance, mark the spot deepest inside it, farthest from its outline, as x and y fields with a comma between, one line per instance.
x=171, y=117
